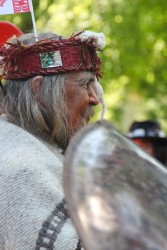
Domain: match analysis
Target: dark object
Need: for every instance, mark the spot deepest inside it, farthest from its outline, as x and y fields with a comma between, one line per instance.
x=147, y=129
x=150, y=131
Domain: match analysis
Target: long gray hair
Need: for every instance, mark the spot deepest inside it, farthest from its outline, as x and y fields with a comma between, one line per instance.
x=23, y=109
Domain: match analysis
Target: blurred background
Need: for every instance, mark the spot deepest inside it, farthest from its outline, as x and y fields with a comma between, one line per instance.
x=135, y=56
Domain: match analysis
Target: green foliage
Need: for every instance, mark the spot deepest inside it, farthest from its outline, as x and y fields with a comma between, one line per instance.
x=135, y=56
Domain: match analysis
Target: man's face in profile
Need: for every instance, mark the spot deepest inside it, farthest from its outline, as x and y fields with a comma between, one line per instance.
x=81, y=96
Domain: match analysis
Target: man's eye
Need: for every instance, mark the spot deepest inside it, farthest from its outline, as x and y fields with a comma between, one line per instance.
x=85, y=86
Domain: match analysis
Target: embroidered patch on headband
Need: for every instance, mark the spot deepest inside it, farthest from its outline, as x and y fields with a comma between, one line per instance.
x=51, y=59
x=48, y=56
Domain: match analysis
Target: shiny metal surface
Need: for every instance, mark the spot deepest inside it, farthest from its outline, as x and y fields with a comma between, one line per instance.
x=116, y=194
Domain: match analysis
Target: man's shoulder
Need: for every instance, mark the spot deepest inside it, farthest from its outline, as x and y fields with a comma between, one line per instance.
x=12, y=132
x=18, y=147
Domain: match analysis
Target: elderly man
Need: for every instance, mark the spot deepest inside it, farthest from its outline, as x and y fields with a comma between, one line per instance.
x=50, y=90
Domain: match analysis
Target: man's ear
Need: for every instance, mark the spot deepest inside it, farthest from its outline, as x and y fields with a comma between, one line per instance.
x=36, y=85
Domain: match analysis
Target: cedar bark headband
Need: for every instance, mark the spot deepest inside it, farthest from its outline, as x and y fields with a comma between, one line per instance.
x=48, y=56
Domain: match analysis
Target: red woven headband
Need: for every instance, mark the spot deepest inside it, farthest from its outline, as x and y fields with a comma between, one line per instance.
x=48, y=57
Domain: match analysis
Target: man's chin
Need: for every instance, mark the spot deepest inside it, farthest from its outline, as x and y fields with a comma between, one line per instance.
x=87, y=118
x=82, y=123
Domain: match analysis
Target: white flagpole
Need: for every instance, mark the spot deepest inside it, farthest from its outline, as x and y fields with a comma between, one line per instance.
x=33, y=20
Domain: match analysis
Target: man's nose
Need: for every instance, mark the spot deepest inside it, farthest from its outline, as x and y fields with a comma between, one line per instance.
x=93, y=98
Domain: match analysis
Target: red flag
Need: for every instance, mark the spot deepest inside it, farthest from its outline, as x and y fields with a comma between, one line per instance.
x=14, y=6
